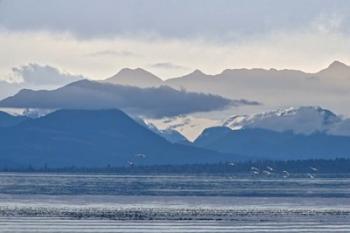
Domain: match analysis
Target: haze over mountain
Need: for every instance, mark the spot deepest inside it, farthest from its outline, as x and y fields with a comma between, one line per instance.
x=336, y=70
x=91, y=138
x=275, y=88
x=152, y=102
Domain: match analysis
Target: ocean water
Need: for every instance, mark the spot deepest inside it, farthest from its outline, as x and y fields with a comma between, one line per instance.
x=38, y=202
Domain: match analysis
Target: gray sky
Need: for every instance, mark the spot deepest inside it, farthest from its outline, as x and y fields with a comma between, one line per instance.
x=221, y=19
x=171, y=38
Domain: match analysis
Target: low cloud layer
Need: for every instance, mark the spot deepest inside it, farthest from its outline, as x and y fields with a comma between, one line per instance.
x=168, y=66
x=151, y=102
x=112, y=53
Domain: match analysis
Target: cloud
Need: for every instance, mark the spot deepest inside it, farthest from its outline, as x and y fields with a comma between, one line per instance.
x=41, y=75
x=168, y=65
x=108, y=52
x=221, y=19
x=328, y=23
x=34, y=76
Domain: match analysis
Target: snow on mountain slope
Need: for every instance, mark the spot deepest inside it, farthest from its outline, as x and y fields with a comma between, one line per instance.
x=300, y=120
x=169, y=134
x=188, y=126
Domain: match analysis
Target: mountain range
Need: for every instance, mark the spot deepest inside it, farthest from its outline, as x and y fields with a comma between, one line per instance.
x=300, y=120
x=100, y=138
x=143, y=78
x=265, y=144
x=246, y=87
x=93, y=138
x=286, y=134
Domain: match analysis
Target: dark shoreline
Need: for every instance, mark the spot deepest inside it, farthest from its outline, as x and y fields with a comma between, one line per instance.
x=320, y=167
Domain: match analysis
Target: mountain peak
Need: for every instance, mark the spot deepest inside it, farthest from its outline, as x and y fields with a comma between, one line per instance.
x=127, y=70
x=336, y=69
x=135, y=77
x=197, y=72
x=337, y=65
x=194, y=74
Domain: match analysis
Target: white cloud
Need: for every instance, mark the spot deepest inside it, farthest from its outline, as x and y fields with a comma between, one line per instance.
x=41, y=75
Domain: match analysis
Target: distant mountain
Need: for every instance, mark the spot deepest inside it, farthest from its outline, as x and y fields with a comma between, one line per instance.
x=327, y=87
x=135, y=77
x=238, y=82
x=153, y=102
x=242, y=77
x=86, y=138
x=267, y=144
x=300, y=120
x=274, y=88
x=7, y=120
x=336, y=70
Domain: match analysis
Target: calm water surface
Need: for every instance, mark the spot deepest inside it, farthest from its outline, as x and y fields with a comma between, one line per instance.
x=119, y=203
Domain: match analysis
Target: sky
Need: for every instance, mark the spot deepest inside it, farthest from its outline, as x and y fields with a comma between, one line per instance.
x=96, y=39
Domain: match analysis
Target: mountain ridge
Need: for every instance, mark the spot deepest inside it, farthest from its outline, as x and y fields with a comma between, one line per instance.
x=263, y=144
x=93, y=138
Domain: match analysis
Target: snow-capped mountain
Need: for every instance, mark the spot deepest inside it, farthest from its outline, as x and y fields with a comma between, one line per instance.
x=189, y=126
x=300, y=120
x=170, y=135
